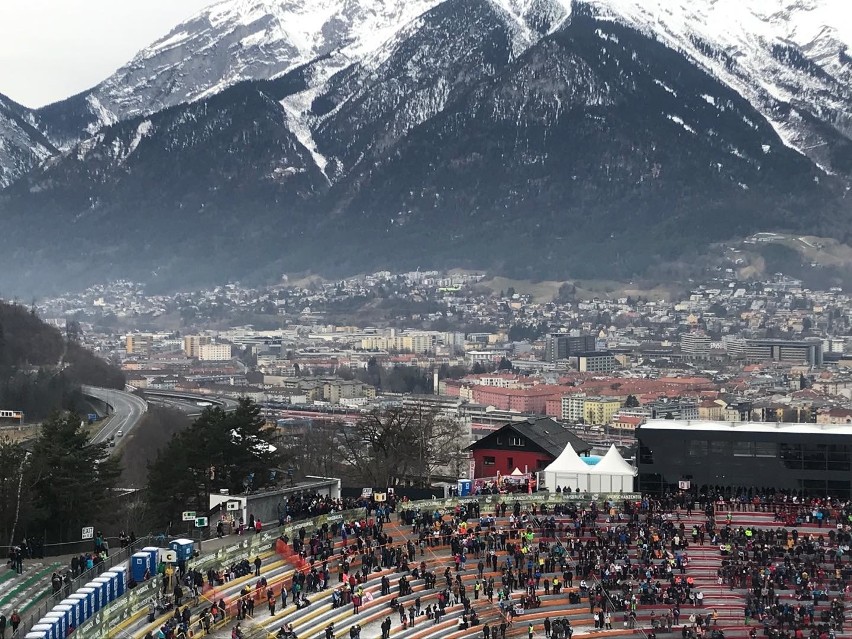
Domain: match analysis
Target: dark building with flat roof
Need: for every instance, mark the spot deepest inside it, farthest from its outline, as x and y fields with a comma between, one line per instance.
x=562, y=346
x=813, y=459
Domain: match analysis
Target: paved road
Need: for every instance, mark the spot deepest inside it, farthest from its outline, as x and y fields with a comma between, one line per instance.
x=188, y=408
x=189, y=404
x=128, y=411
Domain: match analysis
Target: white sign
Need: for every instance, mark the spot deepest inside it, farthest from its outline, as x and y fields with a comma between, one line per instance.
x=188, y=515
x=89, y=532
x=380, y=497
x=366, y=492
x=233, y=505
x=170, y=557
x=683, y=485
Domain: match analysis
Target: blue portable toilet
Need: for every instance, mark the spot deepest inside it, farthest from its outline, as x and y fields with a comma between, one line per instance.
x=69, y=612
x=58, y=621
x=84, y=607
x=154, y=562
x=109, y=588
x=94, y=597
x=92, y=601
x=43, y=629
x=100, y=588
x=464, y=487
x=140, y=563
x=183, y=548
x=32, y=634
x=52, y=625
x=73, y=612
x=120, y=579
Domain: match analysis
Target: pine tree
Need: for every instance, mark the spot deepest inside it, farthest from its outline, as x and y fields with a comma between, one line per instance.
x=72, y=479
x=219, y=450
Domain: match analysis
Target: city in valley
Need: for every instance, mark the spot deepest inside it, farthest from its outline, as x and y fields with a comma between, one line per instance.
x=727, y=350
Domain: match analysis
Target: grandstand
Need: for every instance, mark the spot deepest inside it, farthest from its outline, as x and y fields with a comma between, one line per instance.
x=639, y=557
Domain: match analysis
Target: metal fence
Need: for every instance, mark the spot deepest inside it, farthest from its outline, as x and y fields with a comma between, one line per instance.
x=46, y=605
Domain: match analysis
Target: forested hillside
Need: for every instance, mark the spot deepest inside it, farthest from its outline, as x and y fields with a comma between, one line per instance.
x=40, y=370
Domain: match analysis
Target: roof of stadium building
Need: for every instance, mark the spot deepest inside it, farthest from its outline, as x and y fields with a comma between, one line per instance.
x=747, y=427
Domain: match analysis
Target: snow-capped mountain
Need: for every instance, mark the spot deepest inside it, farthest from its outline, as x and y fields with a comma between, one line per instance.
x=540, y=137
x=21, y=145
x=789, y=58
x=229, y=42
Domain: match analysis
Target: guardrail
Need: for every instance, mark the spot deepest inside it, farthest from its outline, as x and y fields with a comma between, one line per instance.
x=78, y=582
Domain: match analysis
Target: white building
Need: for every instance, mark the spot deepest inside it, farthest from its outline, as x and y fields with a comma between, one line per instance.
x=214, y=352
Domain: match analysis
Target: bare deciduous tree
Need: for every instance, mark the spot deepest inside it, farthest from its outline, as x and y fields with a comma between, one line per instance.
x=386, y=448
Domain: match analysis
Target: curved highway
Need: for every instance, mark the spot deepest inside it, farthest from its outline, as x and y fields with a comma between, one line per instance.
x=190, y=404
x=128, y=410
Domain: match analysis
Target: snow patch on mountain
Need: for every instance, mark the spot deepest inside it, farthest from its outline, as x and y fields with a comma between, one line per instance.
x=21, y=145
x=775, y=53
x=297, y=111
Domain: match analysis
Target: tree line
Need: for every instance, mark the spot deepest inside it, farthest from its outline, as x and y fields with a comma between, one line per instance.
x=60, y=482
x=53, y=486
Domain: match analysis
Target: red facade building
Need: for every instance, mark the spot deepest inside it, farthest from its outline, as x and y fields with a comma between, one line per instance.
x=528, y=445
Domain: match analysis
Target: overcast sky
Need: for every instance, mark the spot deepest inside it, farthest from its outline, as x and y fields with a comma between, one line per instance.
x=51, y=49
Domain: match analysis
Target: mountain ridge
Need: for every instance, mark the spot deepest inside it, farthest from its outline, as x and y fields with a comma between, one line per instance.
x=541, y=137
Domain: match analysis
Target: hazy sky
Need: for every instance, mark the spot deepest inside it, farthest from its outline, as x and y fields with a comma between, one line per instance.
x=50, y=49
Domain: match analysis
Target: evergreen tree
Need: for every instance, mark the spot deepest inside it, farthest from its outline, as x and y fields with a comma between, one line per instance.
x=219, y=450
x=71, y=479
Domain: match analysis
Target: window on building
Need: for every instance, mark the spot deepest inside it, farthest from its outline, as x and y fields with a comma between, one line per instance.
x=499, y=441
x=488, y=461
x=510, y=463
x=765, y=449
x=698, y=448
x=543, y=463
x=813, y=456
x=791, y=455
x=743, y=449
x=518, y=441
x=838, y=457
x=838, y=489
x=720, y=449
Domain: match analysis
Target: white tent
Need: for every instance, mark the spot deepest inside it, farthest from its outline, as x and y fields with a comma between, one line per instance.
x=612, y=474
x=567, y=471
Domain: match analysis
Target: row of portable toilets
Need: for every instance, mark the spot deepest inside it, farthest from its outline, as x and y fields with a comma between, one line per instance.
x=102, y=591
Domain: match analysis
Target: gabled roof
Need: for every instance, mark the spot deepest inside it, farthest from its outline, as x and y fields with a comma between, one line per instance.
x=550, y=435
x=568, y=462
x=613, y=464
x=547, y=433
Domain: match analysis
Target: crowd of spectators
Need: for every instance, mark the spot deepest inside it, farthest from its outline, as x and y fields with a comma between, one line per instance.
x=622, y=556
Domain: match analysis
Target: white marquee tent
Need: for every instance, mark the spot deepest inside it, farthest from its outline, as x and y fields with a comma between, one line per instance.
x=612, y=474
x=567, y=471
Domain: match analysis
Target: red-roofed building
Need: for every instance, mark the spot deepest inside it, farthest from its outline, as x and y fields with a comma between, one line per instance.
x=523, y=400
x=627, y=422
